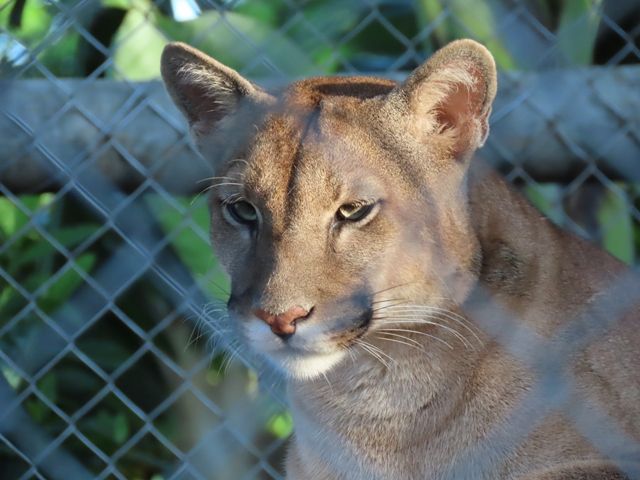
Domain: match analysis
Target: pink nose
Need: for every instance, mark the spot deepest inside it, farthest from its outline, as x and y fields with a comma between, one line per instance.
x=282, y=324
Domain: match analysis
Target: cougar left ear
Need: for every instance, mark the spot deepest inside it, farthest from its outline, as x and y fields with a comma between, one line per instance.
x=205, y=90
x=450, y=95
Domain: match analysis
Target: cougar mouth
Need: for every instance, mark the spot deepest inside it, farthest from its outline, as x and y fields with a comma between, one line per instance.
x=313, y=349
x=348, y=337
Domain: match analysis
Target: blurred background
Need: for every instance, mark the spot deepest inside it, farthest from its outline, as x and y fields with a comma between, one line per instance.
x=114, y=361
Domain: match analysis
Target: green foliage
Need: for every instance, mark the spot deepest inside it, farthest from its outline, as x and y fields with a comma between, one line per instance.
x=280, y=425
x=28, y=232
x=578, y=30
x=616, y=230
x=38, y=24
x=251, y=36
x=140, y=45
x=479, y=22
x=547, y=199
x=617, y=226
x=35, y=263
x=516, y=43
x=188, y=236
x=39, y=234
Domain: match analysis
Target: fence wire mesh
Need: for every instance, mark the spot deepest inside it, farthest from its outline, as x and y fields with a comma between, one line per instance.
x=109, y=292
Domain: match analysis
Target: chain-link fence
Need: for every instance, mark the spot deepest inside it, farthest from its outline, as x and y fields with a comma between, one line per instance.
x=113, y=354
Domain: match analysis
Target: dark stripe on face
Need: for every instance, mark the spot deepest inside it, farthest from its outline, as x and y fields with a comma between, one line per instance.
x=310, y=120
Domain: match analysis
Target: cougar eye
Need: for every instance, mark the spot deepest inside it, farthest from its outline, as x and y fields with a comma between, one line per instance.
x=354, y=212
x=242, y=212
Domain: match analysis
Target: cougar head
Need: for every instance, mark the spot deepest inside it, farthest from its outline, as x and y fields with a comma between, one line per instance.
x=335, y=198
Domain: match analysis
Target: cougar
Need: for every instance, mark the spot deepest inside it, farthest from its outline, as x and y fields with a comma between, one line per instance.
x=430, y=322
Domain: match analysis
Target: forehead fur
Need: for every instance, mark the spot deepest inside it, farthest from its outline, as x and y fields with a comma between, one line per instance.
x=302, y=138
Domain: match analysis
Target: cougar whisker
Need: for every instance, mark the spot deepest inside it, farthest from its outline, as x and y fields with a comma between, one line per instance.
x=421, y=333
x=420, y=319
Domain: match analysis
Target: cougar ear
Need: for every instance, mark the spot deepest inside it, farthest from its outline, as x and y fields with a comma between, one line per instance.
x=450, y=95
x=203, y=89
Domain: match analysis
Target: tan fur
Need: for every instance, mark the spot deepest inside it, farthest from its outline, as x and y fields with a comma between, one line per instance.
x=424, y=400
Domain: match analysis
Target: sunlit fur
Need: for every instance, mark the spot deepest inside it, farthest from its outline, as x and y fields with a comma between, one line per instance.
x=396, y=373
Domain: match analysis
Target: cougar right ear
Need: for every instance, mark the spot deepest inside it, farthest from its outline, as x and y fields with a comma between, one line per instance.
x=450, y=96
x=203, y=89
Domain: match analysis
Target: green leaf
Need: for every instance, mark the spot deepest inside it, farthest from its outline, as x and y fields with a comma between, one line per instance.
x=74, y=235
x=109, y=354
x=67, y=236
x=123, y=4
x=239, y=40
x=13, y=218
x=39, y=19
x=7, y=217
x=34, y=280
x=7, y=297
x=280, y=425
x=267, y=13
x=477, y=22
x=35, y=21
x=102, y=423
x=37, y=410
x=120, y=428
x=32, y=253
x=48, y=385
x=333, y=19
x=74, y=380
x=192, y=248
x=617, y=227
x=62, y=289
x=429, y=12
x=578, y=30
x=12, y=377
x=546, y=198
x=140, y=44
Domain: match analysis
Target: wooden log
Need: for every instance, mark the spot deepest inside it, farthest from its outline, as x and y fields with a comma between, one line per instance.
x=551, y=124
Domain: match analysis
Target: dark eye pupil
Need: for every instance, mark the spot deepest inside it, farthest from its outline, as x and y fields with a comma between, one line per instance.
x=353, y=212
x=242, y=212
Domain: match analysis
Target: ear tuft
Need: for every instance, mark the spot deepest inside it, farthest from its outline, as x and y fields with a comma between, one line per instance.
x=203, y=89
x=451, y=95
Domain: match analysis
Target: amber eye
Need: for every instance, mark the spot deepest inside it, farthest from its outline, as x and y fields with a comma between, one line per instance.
x=354, y=212
x=242, y=212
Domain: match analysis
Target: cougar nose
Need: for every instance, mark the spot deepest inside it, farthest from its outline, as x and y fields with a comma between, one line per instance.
x=282, y=324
